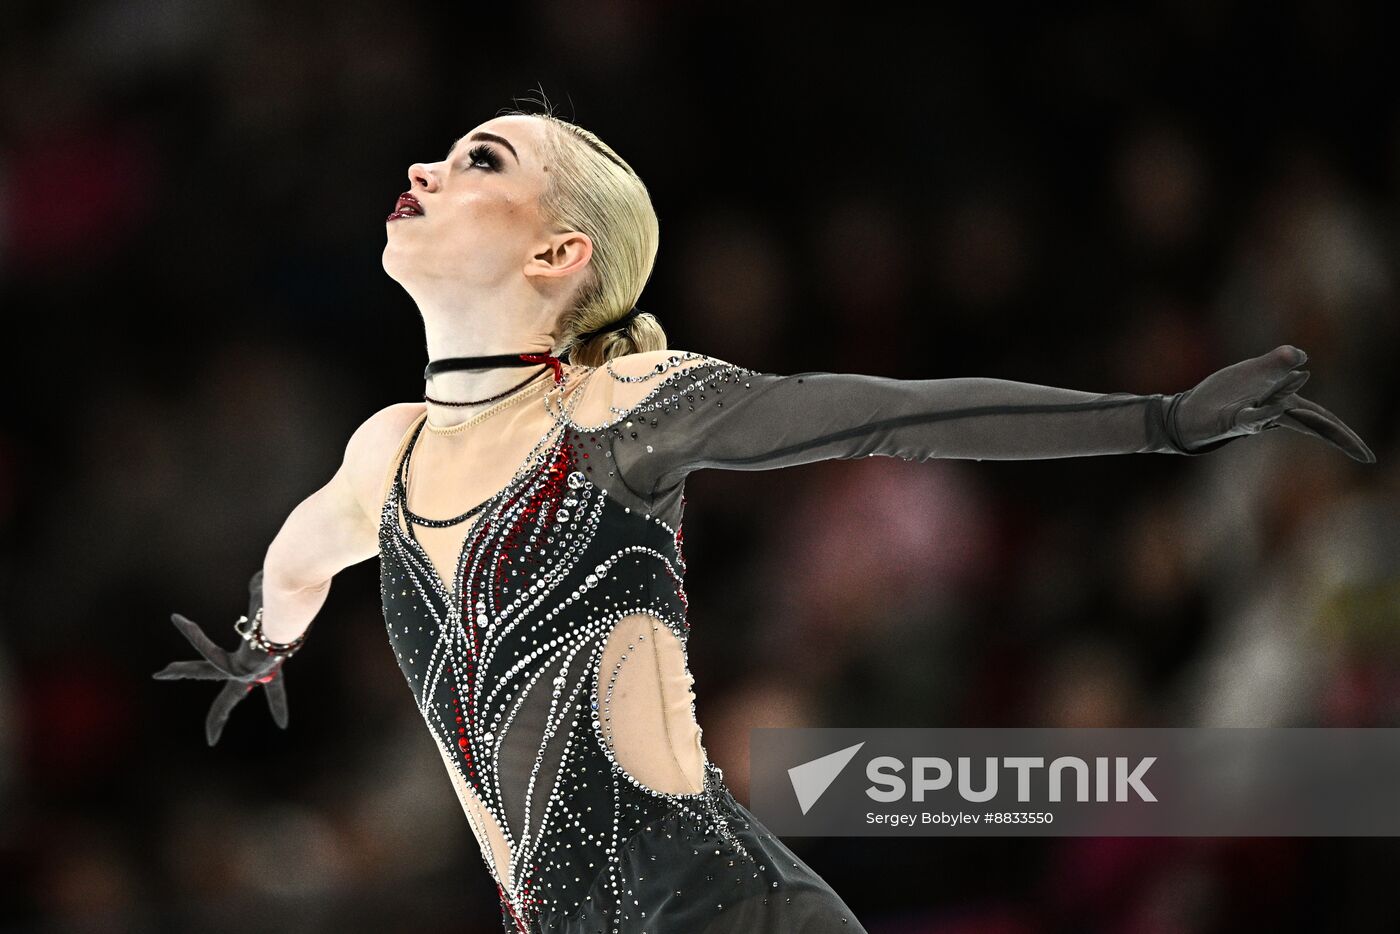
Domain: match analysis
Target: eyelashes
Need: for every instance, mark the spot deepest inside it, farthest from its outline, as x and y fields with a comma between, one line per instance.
x=482, y=153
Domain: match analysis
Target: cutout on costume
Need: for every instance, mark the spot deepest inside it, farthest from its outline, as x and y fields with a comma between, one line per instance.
x=644, y=705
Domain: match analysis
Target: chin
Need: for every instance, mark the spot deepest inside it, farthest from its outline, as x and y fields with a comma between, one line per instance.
x=394, y=262
x=392, y=265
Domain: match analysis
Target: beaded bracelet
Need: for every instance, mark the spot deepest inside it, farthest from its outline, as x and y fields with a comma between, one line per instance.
x=253, y=635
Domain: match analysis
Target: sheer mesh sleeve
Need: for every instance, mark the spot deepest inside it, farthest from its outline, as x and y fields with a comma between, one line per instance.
x=704, y=412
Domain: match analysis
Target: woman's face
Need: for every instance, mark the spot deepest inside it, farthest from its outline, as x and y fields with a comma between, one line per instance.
x=479, y=223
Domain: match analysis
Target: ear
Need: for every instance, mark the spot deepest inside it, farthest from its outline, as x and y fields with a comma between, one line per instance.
x=561, y=255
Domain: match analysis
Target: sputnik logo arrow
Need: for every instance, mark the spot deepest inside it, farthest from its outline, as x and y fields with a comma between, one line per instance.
x=810, y=780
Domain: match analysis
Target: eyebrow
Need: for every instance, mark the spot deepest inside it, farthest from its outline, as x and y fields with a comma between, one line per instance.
x=489, y=137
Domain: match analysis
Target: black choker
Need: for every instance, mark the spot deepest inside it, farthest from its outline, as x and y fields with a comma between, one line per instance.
x=514, y=360
x=490, y=362
x=522, y=359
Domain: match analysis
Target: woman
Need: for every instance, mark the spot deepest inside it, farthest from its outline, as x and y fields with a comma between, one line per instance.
x=543, y=630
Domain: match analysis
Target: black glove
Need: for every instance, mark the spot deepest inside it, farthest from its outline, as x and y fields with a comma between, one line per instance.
x=244, y=668
x=1252, y=396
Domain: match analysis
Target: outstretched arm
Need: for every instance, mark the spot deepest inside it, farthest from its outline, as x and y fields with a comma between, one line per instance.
x=330, y=530
x=335, y=527
x=674, y=412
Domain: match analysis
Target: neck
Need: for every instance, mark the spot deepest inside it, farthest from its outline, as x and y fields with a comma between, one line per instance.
x=460, y=332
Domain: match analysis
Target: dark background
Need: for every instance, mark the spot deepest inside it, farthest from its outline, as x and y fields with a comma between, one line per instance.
x=1109, y=198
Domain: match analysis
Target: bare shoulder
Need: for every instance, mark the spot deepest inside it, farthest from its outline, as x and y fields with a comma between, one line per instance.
x=369, y=454
x=624, y=381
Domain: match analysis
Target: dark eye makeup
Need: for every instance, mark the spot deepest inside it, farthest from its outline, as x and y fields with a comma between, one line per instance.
x=484, y=154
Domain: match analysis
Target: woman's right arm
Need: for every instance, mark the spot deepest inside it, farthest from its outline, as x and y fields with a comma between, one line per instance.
x=333, y=528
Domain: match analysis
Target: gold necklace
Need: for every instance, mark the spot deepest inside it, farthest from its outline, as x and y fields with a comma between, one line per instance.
x=481, y=416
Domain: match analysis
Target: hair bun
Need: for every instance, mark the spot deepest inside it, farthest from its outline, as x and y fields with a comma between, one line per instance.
x=618, y=325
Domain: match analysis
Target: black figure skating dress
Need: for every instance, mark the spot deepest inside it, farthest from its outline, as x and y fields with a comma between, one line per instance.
x=552, y=670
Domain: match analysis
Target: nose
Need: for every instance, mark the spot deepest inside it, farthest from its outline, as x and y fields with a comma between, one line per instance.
x=420, y=175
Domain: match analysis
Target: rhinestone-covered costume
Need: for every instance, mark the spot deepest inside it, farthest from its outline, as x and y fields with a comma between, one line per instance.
x=552, y=671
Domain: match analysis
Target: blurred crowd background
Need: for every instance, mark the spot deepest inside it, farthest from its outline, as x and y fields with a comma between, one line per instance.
x=1109, y=198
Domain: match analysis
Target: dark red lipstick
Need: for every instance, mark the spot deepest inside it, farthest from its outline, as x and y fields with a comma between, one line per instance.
x=407, y=206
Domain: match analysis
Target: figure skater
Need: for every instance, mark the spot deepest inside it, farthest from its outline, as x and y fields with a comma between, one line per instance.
x=529, y=530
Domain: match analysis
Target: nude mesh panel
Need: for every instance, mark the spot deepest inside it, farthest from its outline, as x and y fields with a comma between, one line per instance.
x=645, y=697
x=487, y=832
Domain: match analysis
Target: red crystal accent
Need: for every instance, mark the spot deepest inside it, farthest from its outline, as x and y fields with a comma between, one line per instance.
x=546, y=358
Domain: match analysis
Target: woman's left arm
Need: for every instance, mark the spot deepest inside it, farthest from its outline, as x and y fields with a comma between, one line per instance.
x=702, y=412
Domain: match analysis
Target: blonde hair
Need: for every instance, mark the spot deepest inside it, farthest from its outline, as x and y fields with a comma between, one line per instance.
x=591, y=189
